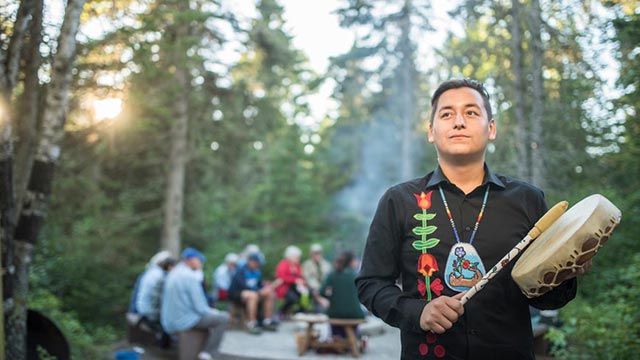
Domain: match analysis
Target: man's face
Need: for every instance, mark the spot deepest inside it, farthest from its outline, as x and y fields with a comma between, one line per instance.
x=461, y=129
x=194, y=263
x=316, y=255
x=252, y=264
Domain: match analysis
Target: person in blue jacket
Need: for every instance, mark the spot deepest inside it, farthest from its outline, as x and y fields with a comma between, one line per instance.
x=185, y=306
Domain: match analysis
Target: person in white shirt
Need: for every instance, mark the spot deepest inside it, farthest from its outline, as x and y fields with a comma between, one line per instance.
x=222, y=276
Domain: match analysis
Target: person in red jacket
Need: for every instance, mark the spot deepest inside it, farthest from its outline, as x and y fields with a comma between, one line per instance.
x=290, y=284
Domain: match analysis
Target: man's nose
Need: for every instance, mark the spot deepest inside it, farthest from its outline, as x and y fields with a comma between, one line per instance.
x=459, y=122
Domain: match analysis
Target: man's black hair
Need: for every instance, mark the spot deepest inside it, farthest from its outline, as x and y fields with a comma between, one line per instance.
x=460, y=83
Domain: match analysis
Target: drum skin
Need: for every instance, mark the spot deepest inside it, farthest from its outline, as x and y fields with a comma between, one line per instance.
x=567, y=244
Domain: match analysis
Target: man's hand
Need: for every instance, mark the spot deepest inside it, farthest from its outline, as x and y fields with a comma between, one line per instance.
x=440, y=314
x=586, y=266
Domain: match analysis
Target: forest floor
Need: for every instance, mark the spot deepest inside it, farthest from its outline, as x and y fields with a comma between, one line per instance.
x=383, y=343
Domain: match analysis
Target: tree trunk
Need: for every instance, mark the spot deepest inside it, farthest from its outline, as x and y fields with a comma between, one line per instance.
x=517, y=68
x=28, y=106
x=7, y=217
x=36, y=199
x=406, y=90
x=9, y=67
x=538, y=173
x=174, y=194
x=21, y=25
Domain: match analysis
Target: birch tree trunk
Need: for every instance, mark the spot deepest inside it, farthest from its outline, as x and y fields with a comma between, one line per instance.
x=9, y=68
x=538, y=173
x=517, y=68
x=28, y=106
x=36, y=199
x=174, y=193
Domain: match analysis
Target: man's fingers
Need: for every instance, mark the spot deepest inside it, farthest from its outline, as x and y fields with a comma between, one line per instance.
x=450, y=314
x=460, y=295
x=436, y=328
x=440, y=314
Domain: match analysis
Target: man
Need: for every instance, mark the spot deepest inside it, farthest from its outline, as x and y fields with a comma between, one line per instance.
x=248, y=290
x=184, y=304
x=315, y=271
x=249, y=250
x=439, y=233
x=222, y=276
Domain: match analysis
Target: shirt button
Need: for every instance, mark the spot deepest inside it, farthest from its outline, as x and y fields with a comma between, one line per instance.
x=472, y=332
x=468, y=228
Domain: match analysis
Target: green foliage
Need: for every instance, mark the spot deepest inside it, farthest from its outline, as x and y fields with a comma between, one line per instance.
x=604, y=321
x=87, y=341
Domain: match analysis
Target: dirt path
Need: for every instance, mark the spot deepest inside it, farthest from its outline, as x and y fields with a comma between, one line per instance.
x=383, y=343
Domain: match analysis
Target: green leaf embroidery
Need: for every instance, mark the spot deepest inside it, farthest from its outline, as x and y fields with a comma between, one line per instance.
x=424, y=217
x=431, y=243
x=419, y=245
x=419, y=231
x=420, y=217
x=430, y=229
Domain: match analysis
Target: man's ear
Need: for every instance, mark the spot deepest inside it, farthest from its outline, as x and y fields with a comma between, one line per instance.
x=493, y=132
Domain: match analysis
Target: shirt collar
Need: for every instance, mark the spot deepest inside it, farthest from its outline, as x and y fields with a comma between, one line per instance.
x=438, y=177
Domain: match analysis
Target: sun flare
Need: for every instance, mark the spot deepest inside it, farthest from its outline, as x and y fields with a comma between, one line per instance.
x=108, y=108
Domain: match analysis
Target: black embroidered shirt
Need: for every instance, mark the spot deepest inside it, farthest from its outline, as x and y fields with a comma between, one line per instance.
x=496, y=323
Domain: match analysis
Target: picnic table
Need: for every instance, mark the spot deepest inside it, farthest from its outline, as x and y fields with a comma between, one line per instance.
x=308, y=339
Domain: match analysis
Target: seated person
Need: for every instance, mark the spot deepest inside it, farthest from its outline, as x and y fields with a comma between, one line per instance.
x=248, y=290
x=133, y=304
x=149, y=298
x=340, y=289
x=185, y=307
x=222, y=276
x=248, y=250
x=315, y=271
x=291, y=285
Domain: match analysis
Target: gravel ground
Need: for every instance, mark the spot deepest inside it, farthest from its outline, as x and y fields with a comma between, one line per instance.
x=383, y=343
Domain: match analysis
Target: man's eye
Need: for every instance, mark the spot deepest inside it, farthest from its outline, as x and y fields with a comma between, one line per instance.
x=445, y=115
x=472, y=113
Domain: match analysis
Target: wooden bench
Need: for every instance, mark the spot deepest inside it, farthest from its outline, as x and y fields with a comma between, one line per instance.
x=139, y=333
x=309, y=339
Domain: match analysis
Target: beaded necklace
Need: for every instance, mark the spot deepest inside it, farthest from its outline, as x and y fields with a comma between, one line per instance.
x=464, y=266
x=453, y=224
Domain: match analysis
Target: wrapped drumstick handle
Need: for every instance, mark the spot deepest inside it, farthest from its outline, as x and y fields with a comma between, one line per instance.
x=543, y=224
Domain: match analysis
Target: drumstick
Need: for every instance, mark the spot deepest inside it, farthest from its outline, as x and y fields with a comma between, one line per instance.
x=543, y=224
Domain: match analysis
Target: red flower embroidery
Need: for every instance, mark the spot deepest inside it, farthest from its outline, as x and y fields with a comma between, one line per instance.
x=424, y=349
x=422, y=287
x=427, y=265
x=439, y=351
x=437, y=287
x=465, y=264
x=431, y=337
x=424, y=200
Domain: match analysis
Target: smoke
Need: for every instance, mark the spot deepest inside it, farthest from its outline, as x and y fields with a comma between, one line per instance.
x=379, y=168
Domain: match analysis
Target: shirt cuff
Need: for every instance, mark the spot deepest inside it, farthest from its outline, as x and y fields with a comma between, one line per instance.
x=412, y=311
